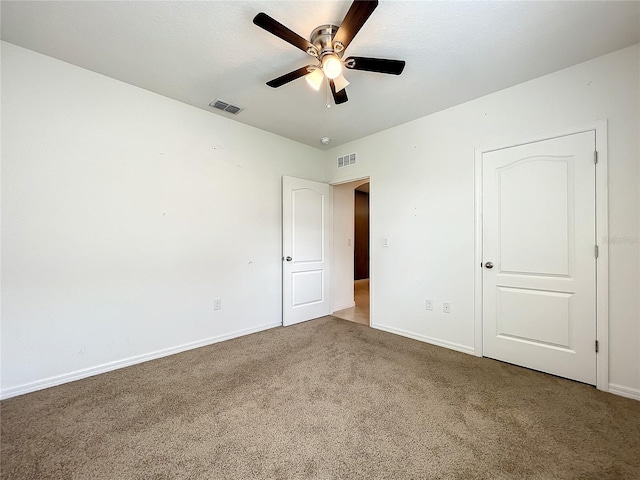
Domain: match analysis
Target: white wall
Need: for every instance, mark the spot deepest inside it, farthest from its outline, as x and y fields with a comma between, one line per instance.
x=423, y=173
x=124, y=214
x=343, y=244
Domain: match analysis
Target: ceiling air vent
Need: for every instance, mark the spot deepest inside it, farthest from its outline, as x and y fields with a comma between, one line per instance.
x=227, y=107
x=346, y=160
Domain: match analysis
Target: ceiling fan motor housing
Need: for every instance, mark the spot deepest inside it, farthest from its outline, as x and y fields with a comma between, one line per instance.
x=322, y=39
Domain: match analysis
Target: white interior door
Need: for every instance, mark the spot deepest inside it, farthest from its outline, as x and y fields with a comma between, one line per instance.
x=539, y=275
x=306, y=222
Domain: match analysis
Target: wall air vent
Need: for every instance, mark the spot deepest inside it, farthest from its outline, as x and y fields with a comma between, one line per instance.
x=346, y=160
x=227, y=107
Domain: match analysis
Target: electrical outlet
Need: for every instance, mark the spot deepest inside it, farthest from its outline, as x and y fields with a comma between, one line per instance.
x=217, y=303
x=429, y=304
x=446, y=307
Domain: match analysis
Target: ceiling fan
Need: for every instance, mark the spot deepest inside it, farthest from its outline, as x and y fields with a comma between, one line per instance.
x=327, y=44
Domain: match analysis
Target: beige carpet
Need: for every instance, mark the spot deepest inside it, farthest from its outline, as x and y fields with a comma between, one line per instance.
x=324, y=399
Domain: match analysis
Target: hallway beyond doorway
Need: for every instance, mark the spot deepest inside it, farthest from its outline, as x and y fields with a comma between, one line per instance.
x=359, y=313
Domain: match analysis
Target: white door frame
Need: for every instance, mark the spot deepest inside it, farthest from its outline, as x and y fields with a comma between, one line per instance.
x=354, y=178
x=602, y=229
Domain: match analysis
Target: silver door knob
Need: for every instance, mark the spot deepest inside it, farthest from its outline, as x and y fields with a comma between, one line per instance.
x=288, y=259
x=488, y=265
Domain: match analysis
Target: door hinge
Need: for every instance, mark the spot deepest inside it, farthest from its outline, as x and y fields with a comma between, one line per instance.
x=595, y=156
x=596, y=251
x=597, y=346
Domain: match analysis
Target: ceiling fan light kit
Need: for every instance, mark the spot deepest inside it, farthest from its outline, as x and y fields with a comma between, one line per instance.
x=315, y=78
x=331, y=66
x=340, y=82
x=327, y=44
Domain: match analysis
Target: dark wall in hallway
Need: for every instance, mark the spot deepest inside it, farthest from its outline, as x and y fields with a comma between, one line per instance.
x=361, y=244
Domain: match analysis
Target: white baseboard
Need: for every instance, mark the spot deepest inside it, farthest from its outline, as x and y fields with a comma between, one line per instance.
x=633, y=393
x=423, y=338
x=126, y=362
x=337, y=308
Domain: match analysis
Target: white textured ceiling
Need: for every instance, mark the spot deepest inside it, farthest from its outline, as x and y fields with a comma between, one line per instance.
x=197, y=51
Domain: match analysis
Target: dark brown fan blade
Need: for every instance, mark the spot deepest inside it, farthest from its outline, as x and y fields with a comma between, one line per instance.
x=358, y=13
x=276, y=28
x=288, y=77
x=338, y=97
x=380, y=65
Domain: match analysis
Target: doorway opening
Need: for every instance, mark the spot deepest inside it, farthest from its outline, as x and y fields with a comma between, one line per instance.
x=351, y=252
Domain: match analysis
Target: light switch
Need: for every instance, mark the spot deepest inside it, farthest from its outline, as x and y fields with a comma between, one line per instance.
x=385, y=242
